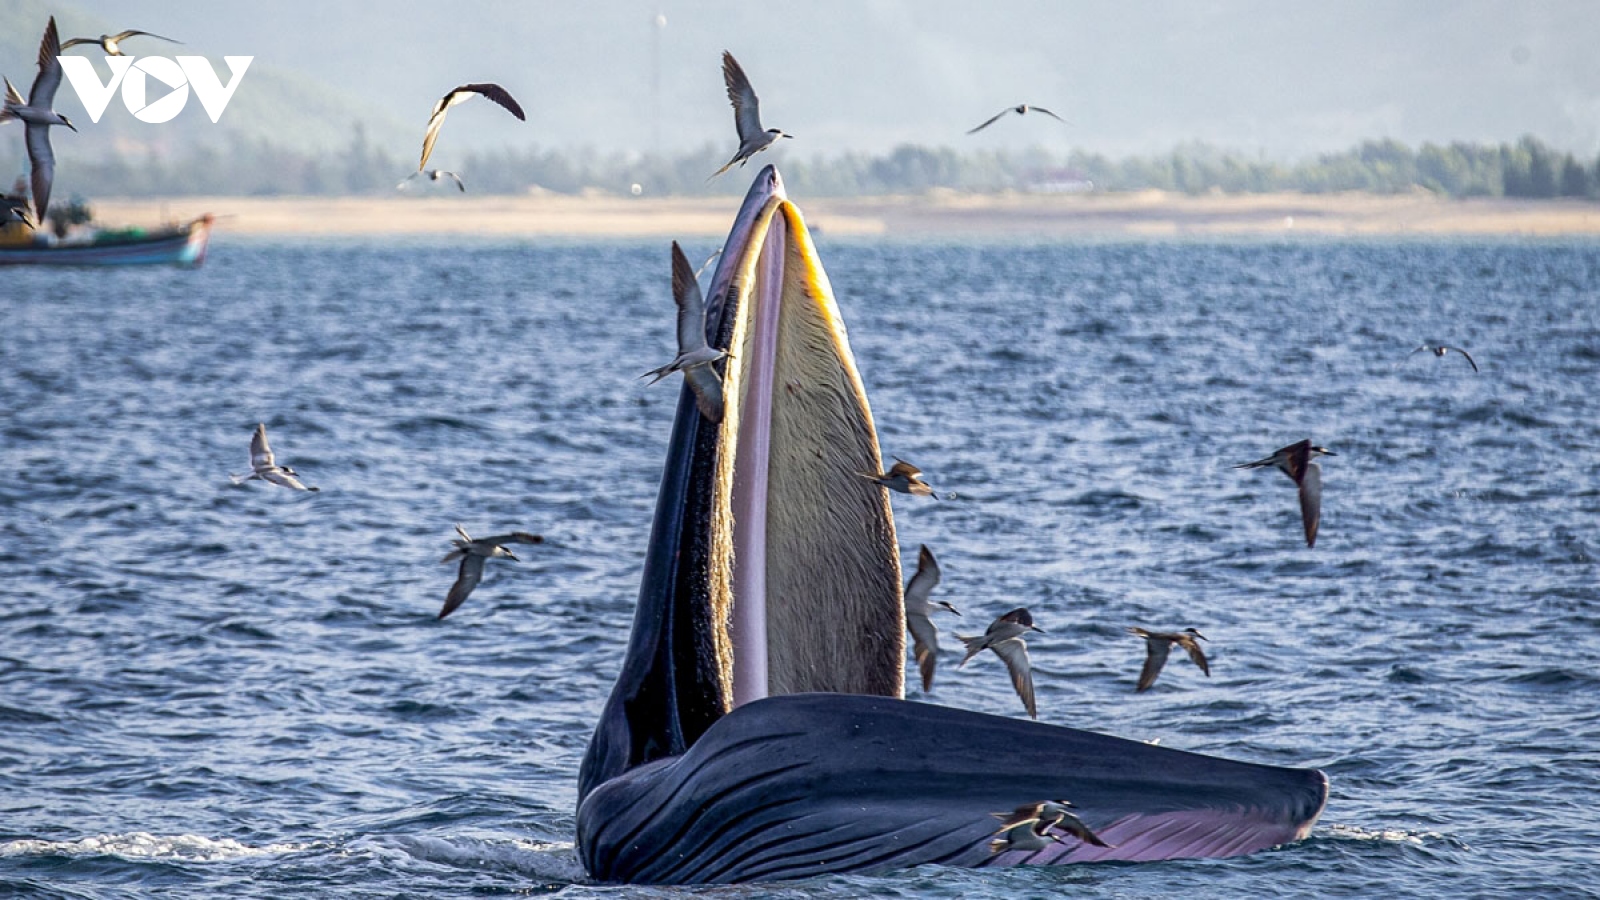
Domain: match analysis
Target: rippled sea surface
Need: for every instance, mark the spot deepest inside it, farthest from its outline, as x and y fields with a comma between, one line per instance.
x=215, y=690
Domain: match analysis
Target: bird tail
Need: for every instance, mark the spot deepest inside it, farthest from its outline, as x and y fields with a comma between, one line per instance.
x=660, y=373
x=452, y=556
x=973, y=644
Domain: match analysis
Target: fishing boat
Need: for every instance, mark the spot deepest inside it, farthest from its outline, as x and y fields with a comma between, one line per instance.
x=182, y=245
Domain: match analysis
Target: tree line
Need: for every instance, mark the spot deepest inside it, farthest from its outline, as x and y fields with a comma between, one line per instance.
x=256, y=166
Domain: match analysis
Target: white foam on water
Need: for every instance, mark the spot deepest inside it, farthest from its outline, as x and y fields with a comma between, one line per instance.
x=557, y=860
x=1392, y=835
x=144, y=845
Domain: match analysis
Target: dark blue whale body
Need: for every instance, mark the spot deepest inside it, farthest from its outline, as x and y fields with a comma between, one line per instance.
x=695, y=776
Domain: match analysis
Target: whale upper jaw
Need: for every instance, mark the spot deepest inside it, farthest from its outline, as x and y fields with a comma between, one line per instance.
x=772, y=574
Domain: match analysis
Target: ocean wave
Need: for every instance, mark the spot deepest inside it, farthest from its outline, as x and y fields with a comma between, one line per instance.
x=144, y=845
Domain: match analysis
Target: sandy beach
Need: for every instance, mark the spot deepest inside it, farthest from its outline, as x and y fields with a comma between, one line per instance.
x=945, y=214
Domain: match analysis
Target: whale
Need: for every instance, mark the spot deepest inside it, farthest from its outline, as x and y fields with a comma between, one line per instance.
x=758, y=730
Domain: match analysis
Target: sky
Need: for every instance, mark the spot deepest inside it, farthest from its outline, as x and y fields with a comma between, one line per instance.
x=1277, y=78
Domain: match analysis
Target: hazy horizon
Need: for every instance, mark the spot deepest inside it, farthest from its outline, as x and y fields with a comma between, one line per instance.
x=1244, y=75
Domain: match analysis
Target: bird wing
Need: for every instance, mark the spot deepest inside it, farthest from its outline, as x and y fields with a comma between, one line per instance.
x=700, y=271
x=1048, y=113
x=515, y=537
x=260, y=453
x=1026, y=814
x=68, y=44
x=707, y=387
x=467, y=578
x=901, y=467
x=923, y=582
x=43, y=94
x=746, y=106
x=1196, y=654
x=1295, y=459
x=1015, y=654
x=498, y=94
x=992, y=119
x=119, y=38
x=1419, y=350
x=924, y=645
x=1311, y=501
x=1468, y=356
x=461, y=95
x=456, y=178
x=691, y=304
x=1074, y=826
x=436, y=121
x=1155, y=656
x=42, y=160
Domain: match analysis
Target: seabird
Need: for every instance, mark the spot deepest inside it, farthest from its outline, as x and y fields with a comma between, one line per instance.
x=37, y=116
x=111, y=43
x=473, y=554
x=1020, y=110
x=903, y=477
x=1005, y=637
x=433, y=175
x=1025, y=836
x=1297, y=462
x=264, y=467
x=461, y=95
x=1040, y=818
x=746, y=115
x=694, y=357
x=924, y=636
x=1158, y=644
x=13, y=209
x=1441, y=350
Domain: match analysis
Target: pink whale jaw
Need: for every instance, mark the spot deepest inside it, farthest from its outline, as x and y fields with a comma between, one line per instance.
x=1180, y=834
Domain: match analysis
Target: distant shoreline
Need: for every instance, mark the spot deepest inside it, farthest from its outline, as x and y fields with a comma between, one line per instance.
x=947, y=214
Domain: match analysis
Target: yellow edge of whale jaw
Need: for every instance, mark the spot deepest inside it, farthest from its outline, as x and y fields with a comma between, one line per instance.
x=834, y=617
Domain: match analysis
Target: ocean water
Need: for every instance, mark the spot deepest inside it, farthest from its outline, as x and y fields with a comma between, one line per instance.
x=216, y=690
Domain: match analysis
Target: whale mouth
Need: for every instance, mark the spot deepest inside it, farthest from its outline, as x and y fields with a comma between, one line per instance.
x=756, y=731
x=773, y=567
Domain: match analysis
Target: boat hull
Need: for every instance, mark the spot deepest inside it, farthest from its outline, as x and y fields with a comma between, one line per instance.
x=183, y=245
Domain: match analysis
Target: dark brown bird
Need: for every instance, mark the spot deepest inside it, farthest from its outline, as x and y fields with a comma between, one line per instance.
x=1021, y=110
x=924, y=636
x=458, y=96
x=1038, y=819
x=746, y=115
x=903, y=477
x=1441, y=350
x=1157, y=645
x=1298, y=462
x=1005, y=638
x=473, y=554
x=110, y=42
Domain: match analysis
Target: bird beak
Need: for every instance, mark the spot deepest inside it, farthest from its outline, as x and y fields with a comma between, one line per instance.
x=510, y=555
x=788, y=135
x=72, y=126
x=1038, y=629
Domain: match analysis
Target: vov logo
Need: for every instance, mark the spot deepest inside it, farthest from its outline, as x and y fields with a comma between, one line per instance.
x=133, y=73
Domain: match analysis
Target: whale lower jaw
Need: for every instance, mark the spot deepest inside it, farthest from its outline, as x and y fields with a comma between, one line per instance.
x=808, y=784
